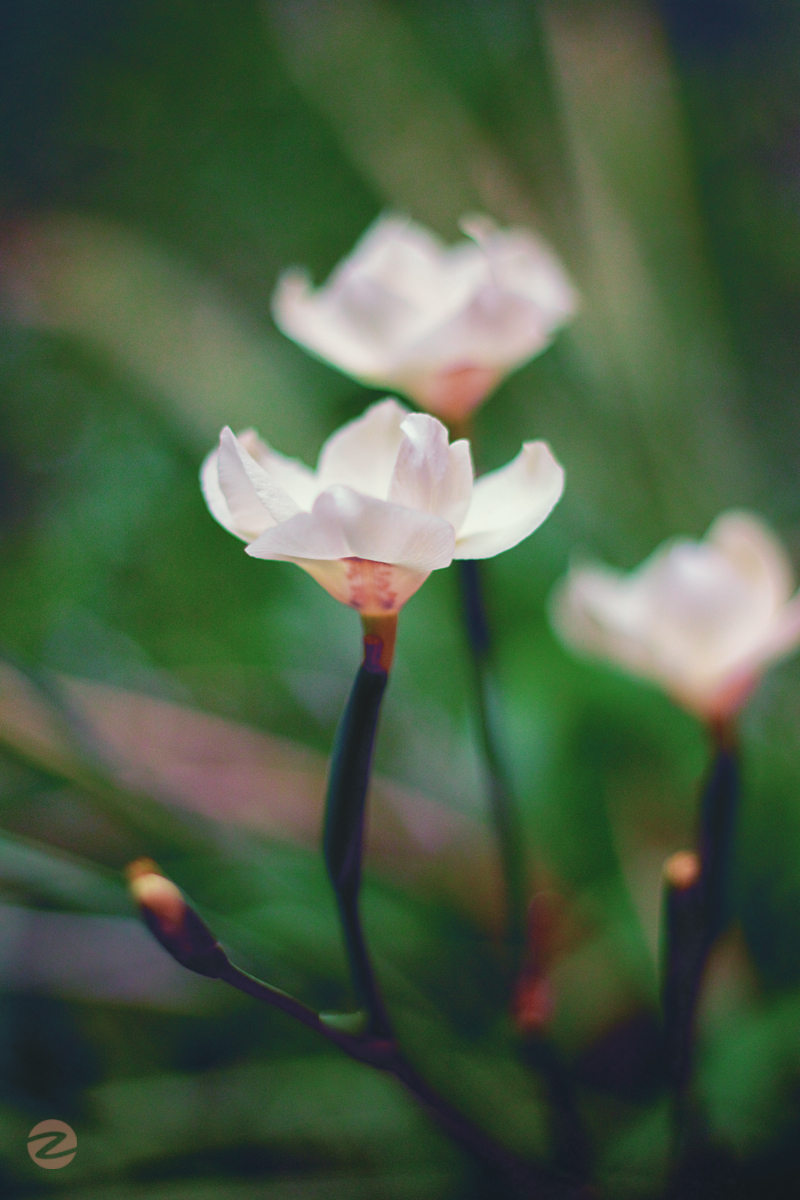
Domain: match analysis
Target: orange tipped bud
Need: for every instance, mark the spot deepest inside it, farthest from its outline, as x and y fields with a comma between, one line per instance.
x=682, y=870
x=171, y=920
x=153, y=891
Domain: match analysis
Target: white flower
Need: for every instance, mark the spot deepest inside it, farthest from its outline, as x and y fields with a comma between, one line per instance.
x=389, y=502
x=702, y=619
x=442, y=324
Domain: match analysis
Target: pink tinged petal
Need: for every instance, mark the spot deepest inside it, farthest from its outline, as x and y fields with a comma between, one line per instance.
x=522, y=263
x=398, y=257
x=212, y=492
x=389, y=533
x=319, y=534
x=254, y=501
x=315, y=321
x=243, y=512
x=453, y=392
x=347, y=524
x=430, y=475
x=784, y=634
x=507, y=505
x=755, y=553
x=371, y=305
x=373, y=588
x=294, y=477
x=701, y=619
x=493, y=330
x=597, y=611
x=362, y=454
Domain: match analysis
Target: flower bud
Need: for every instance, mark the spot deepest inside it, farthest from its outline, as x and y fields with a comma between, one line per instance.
x=172, y=922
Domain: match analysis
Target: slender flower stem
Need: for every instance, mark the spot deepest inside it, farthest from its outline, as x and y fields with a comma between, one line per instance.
x=718, y=813
x=571, y=1140
x=524, y=1179
x=696, y=912
x=505, y=817
x=343, y=835
x=188, y=939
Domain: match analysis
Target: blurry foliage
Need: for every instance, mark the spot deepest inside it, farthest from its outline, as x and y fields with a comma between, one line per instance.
x=160, y=163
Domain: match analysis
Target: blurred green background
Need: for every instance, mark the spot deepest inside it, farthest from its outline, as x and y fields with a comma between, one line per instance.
x=162, y=693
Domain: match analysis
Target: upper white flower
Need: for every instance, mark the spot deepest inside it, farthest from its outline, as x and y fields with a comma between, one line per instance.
x=389, y=502
x=702, y=619
x=443, y=324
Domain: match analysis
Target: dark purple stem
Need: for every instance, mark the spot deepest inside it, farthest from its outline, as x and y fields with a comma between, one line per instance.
x=696, y=913
x=343, y=835
x=195, y=947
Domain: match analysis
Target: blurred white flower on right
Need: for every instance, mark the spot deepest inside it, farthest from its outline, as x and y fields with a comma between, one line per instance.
x=701, y=619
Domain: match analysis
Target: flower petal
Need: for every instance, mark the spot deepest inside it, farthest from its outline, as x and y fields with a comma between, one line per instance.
x=430, y=475
x=601, y=612
x=784, y=633
x=254, y=501
x=362, y=454
x=247, y=516
x=373, y=588
x=390, y=533
x=214, y=497
x=292, y=476
x=316, y=322
x=318, y=534
x=756, y=554
x=509, y=504
x=523, y=264
x=702, y=619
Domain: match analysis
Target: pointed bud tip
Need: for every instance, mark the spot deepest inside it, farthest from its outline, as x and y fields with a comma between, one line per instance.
x=682, y=870
x=153, y=891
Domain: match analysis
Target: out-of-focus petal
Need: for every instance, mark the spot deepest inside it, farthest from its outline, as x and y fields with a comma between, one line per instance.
x=510, y=503
x=362, y=454
x=702, y=619
x=522, y=263
x=597, y=610
x=309, y=318
x=430, y=475
x=755, y=553
x=398, y=255
x=443, y=324
x=784, y=633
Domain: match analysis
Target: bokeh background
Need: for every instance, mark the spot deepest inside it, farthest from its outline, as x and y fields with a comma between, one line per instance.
x=162, y=693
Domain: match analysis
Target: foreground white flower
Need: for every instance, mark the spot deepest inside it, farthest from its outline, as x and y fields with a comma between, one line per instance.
x=702, y=619
x=442, y=324
x=389, y=502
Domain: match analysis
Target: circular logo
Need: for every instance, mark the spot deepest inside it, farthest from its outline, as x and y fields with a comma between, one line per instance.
x=52, y=1144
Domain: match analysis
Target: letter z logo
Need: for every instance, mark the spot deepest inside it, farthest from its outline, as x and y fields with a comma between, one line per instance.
x=52, y=1144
